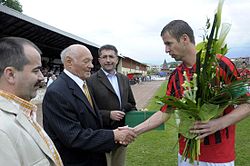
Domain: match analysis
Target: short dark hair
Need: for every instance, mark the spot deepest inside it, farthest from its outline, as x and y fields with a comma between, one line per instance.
x=12, y=52
x=107, y=47
x=177, y=28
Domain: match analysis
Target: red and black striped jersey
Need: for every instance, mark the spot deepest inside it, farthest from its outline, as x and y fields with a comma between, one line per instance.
x=218, y=147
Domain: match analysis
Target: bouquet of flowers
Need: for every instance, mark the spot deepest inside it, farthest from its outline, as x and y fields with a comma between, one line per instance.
x=207, y=95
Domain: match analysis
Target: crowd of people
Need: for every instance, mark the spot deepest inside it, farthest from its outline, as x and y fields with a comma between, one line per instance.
x=83, y=113
x=244, y=71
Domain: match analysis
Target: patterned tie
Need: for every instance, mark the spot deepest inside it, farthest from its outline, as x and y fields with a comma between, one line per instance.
x=86, y=92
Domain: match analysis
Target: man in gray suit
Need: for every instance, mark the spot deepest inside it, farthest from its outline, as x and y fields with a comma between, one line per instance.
x=113, y=95
x=22, y=140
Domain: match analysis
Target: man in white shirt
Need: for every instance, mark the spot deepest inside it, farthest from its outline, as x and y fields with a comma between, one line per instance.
x=113, y=96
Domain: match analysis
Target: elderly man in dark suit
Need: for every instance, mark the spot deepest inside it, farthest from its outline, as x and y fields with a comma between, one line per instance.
x=71, y=117
x=113, y=95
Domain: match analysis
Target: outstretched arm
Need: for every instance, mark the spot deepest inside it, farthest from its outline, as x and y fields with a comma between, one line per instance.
x=154, y=121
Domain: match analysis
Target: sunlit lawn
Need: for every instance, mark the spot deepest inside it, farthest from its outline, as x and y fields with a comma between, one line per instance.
x=158, y=148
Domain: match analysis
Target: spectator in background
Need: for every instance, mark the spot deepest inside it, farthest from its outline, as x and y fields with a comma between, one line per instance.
x=51, y=79
x=244, y=71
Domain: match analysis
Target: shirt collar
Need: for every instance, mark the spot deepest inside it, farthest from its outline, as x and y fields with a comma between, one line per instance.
x=75, y=78
x=183, y=67
x=108, y=74
x=25, y=106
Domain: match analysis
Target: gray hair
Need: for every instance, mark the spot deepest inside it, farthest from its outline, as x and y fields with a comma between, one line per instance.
x=69, y=51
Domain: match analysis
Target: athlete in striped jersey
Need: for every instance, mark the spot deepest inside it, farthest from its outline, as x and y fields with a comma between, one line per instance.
x=218, y=147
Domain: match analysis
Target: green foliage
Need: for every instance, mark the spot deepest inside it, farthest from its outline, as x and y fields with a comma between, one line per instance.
x=207, y=62
x=242, y=142
x=185, y=124
x=159, y=147
x=14, y=4
x=211, y=96
x=209, y=111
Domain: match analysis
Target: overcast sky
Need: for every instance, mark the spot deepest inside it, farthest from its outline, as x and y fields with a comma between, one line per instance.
x=134, y=26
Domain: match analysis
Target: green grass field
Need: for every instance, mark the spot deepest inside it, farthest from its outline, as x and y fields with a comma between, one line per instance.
x=158, y=147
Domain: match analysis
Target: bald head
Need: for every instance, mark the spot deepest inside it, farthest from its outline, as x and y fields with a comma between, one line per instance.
x=77, y=59
x=73, y=50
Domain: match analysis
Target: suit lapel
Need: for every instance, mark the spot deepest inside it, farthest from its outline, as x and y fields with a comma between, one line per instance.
x=26, y=124
x=80, y=95
x=77, y=91
x=103, y=78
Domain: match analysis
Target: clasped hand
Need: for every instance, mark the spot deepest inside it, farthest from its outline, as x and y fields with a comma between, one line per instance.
x=124, y=135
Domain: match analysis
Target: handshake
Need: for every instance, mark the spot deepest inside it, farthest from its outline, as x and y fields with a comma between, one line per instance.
x=124, y=135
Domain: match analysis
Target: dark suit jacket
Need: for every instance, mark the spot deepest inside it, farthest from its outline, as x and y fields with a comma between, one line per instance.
x=106, y=98
x=74, y=126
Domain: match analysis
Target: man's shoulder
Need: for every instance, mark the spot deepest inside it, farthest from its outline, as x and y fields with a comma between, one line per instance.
x=224, y=59
x=7, y=122
x=121, y=75
x=59, y=82
x=94, y=77
x=98, y=73
x=95, y=74
x=59, y=86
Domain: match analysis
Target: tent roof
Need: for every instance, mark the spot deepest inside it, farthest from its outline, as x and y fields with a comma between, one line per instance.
x=48, y=38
